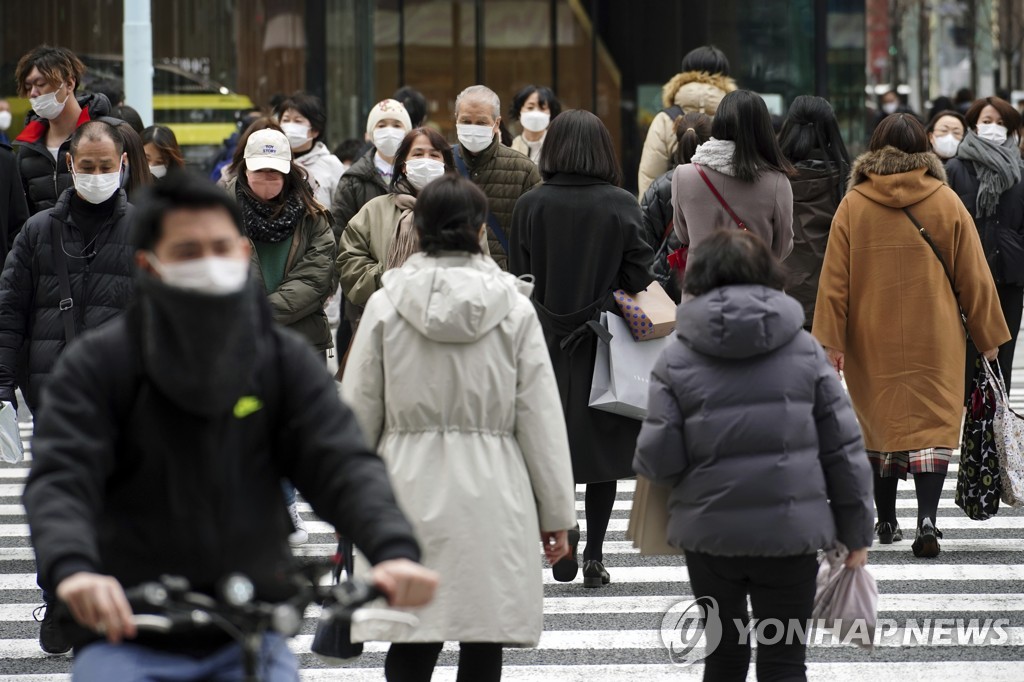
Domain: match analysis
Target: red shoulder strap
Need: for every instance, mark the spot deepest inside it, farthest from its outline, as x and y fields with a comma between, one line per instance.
x=718, y=196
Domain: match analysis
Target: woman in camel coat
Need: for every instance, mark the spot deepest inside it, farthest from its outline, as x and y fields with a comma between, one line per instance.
x=888, y=318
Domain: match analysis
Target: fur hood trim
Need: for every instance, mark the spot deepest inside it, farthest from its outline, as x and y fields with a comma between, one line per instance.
x=890, y=161
x=716, y=80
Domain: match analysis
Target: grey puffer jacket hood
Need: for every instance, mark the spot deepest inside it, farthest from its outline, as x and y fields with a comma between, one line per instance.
x=739, y=321
x=749, y=425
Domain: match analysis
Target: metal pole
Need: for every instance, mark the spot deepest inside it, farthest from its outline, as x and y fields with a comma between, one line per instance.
x=138, y=58
x=480, y=49
x=821, y=48
x=553, y=9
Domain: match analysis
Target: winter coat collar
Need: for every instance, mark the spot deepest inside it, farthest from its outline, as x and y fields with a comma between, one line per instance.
x=897, y=179
x=740, y=321
x=365, y=169
x=574, y=180
x=93, y=106
x=713, y=80
x=481, y=158
x=61, y=211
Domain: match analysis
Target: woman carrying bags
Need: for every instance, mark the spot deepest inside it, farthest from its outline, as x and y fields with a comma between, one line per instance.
x=450, y=380
x=986, y=175
x=890, y=322
x=578, y=234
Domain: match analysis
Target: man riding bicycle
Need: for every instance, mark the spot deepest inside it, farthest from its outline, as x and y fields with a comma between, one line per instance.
x=163, y=441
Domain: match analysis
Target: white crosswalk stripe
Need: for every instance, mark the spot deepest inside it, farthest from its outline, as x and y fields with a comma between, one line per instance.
x=613, y=633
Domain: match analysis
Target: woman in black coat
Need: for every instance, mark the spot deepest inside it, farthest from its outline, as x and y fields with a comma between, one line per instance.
x=578, y=234
x=988, y=175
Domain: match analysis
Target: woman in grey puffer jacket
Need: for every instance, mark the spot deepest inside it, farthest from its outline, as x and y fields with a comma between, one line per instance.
x=750, y=426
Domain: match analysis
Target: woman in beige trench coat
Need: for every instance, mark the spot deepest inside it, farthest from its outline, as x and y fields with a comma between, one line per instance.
x=889, y=320
x=450, y=378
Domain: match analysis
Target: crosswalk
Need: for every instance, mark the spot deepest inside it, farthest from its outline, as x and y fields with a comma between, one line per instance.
x=614, y=633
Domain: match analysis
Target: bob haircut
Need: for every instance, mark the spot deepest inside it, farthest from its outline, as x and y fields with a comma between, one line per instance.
x=902, y=131
x=743, y=117
x=166, y=143
x=930, y=128
x=732, y=257
x=177, y=191
x=579, y=143
x=311, y=108
x=437, y=141
x=1009, y=113
x=706, y=58
x=57, y=64
x=449, y=214
x=544, y=96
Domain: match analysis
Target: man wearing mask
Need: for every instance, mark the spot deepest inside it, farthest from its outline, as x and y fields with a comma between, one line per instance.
x=70, y=270
x=163, y=442
x=49, y=76
x=502, y=173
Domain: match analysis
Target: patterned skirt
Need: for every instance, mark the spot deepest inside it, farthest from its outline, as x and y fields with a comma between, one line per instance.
x=929, y=460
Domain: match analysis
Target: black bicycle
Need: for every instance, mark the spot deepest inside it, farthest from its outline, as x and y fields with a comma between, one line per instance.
x=169, y=605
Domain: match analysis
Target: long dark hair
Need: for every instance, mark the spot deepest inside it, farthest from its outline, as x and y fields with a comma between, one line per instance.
x=449, y=214
x=138, y=169
x=437, y=141
x=166, y=143
x=579, y=143
x=810, y=127
x=743, y=117
x=692, y=130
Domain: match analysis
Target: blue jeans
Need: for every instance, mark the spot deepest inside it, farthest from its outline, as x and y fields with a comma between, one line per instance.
x=101, y=662
x=289, y=492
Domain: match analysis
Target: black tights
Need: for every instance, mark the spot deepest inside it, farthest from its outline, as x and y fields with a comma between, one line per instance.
x=599, y=500
x=478, y=662
x=928, y=487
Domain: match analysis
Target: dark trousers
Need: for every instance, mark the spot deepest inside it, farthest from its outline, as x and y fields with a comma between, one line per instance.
x=1011, y=301
x=478, y=662
x=779, y=587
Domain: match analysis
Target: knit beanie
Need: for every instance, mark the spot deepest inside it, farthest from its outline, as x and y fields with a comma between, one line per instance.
x=389, y=108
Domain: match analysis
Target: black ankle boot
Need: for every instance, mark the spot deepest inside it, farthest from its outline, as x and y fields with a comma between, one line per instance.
x=594, y=574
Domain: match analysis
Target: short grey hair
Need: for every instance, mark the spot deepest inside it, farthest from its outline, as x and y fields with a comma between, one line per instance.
x=480, y=92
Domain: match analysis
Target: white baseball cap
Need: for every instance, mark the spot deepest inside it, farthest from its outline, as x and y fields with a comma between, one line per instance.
x=268, y=149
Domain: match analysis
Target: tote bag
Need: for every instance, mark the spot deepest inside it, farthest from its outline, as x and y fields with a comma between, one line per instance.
x=622, y=369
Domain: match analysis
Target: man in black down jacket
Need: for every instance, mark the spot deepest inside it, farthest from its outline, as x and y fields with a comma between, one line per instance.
x=95, y=243
x=50, y=77
x=165, y=436
x=12, y=198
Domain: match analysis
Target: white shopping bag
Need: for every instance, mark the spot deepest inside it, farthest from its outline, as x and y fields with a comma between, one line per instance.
x=622, y=369
x=846, y=599
x=10, y=437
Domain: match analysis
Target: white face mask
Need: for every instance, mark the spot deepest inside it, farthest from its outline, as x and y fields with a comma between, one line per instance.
x=475, y=138
x=5, y=120
x=297, y=133
x=422, y=172
x=993, y=132
x=387, y=140
x=97, y=188
x=214, y=275
x=535, y=121
x=47, y=105
x=158, y=171
x=890, y=107
x=946, y=146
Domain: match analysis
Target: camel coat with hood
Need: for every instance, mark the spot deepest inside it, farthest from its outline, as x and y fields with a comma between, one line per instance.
x=450, y=378
x=691, y=91
x=884, y=300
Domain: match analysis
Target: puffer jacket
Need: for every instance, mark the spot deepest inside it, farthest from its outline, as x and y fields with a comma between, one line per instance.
x=44, y=178
x=656, y=209
x=691, y=91
x=309, y=279
x=749, y=425
x=504, y=175
x=101, y=288
x=323, y=171
x=1002, y=234
x=815, y=201
x=360, y=183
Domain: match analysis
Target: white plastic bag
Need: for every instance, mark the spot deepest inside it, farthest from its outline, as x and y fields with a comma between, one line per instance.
x=846, y=600
x=10, y=437
x=1008, y=427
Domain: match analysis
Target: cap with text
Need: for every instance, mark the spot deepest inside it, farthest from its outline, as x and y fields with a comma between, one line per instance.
x=268, y=150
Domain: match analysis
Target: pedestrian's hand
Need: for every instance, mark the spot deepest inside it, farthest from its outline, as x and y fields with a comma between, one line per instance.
x=556, y=545
x=405, y=582
x=991, y=355
x=857, y=558
x=837, y=359
x=98, y=602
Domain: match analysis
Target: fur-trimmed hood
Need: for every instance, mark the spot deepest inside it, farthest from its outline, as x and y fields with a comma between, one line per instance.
x=697, y=91
x=895, y=178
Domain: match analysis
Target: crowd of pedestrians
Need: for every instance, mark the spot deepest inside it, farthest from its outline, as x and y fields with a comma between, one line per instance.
x=171, y=337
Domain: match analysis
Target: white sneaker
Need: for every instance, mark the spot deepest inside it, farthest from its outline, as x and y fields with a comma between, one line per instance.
x=300, y=536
